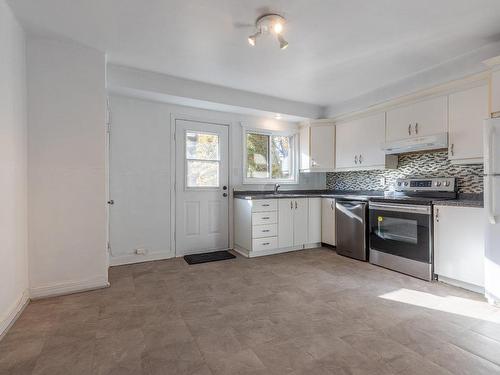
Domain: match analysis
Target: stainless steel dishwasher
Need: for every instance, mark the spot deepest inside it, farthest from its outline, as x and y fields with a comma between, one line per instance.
x=351, y=227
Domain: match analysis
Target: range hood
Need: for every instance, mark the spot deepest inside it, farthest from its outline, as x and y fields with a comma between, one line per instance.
x=429, y=142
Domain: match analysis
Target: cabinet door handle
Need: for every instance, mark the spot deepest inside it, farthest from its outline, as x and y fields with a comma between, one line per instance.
x=295, y=204
x=437, y=215
x=416, y=128
x=360, y=159
x=452, y=151
x=409, y=129
x=291, y=205
x=356, y=159
x=331, y=204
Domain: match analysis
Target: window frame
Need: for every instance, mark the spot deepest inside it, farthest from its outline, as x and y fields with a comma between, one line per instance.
x=294, y=156
x=186, y=160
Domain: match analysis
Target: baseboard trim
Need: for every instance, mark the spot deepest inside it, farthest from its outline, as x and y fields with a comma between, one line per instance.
x=69, y=287
x=134, y=258
x=461, y=284
x=14, y=313
x=252, y=254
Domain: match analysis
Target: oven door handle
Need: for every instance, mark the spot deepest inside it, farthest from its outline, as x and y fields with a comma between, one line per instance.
x=414, y=209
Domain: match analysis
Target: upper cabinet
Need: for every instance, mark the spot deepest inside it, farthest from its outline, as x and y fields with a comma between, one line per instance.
x=359, y=144
x=427, y=117
x=467, y=111
x=495, y=91
x=317, y=147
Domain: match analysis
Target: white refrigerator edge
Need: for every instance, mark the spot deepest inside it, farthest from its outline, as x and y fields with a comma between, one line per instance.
x=492, y=209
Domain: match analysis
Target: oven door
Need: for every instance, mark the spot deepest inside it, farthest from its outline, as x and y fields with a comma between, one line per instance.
x=402, y=230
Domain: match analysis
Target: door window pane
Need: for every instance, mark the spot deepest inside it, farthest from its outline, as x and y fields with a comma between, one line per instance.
x=281, y=160
x=202, y=160
x=202, y=173
x=257, y=155
x=202, y=146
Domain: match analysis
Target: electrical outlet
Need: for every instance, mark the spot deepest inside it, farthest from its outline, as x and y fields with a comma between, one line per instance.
x=141, y=251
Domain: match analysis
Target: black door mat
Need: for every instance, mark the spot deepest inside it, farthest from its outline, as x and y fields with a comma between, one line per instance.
x=208, y=257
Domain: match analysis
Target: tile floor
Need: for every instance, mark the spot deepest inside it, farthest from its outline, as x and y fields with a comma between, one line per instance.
x=309, y=312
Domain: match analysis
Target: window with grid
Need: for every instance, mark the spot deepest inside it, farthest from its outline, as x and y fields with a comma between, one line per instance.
x=202, y=160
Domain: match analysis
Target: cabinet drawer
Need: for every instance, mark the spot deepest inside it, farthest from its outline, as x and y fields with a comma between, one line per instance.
x=259, y=231
x=260, y=205
x=261, y=218
x=267, y=243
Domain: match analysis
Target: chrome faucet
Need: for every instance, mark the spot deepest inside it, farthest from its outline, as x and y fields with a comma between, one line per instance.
x=276, y=187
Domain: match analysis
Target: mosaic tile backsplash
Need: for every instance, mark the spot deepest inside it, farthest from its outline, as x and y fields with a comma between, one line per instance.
x=433, y=164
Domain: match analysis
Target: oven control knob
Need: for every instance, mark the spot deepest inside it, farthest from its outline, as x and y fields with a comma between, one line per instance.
x=406, y=183
x=399, y=183
x=438, y=183
x=447, y=183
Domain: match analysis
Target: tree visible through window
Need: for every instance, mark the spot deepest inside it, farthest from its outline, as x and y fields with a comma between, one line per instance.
x=269, y=156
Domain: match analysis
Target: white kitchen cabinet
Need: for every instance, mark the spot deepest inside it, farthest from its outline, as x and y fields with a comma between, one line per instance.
x=495, y=91
x=328, y=221
x=423, y=118
x=459, y=246
x=358, y=144
x=292, y=222
x=467, y=111
x=255, y=225
x=314, y=220
x=300, y=221
x=317, y=147
x=285, y=220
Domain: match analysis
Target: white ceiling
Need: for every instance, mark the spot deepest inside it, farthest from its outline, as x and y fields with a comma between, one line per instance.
x=339, y=49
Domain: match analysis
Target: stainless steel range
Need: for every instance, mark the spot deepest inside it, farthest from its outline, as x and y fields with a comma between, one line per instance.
x=401, y=225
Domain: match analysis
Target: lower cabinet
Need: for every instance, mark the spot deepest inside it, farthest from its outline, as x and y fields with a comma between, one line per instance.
x=328, y=221
x=263, y=227
x=459, y=246
x=292, y=222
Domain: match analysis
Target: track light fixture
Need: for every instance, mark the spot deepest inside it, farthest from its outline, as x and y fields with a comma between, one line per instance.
x=269, y=24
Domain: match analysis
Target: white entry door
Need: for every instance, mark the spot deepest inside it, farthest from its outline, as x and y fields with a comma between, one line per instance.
x=202, y=190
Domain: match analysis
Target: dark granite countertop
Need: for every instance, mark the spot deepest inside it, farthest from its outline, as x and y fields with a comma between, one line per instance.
x=463, y=200
x=283, y=194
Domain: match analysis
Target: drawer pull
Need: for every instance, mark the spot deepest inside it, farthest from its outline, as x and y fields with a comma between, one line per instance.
x=266, y=218
x=265, y=243
x=265, y=205
x=265, y=230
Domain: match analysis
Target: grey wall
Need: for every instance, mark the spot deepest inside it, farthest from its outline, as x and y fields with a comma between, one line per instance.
x=432, y=164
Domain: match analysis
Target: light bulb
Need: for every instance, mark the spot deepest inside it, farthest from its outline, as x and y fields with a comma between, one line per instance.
x=278, y=27
x=283, y=42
